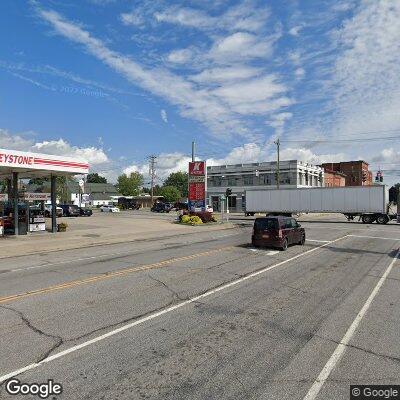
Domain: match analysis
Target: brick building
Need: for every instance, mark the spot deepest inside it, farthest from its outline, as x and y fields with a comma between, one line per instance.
x=334, y=178
x=356, y=172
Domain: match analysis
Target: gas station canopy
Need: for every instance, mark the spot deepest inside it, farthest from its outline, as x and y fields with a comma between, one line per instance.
x=30, y=165
x=15, y=165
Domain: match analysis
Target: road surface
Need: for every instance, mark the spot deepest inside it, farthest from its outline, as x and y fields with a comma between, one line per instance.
x=207, y=317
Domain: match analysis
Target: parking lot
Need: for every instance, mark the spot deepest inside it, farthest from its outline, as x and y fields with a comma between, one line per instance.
x=206, y=315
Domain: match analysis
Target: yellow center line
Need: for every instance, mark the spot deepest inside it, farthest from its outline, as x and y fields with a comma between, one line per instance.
x=108, y=275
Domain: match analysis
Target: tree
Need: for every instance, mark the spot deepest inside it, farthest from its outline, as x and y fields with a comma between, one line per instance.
x=393, y=192
x=171, y=194
x=130, y=185
x=95, y=178
x=178, y=180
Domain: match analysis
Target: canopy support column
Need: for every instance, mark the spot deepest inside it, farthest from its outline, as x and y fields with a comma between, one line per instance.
x=15, y=201
x=53, y=204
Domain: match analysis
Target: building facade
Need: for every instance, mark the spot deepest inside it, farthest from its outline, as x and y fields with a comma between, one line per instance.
x=242, y=177
x=357, y=172
x=334, y=178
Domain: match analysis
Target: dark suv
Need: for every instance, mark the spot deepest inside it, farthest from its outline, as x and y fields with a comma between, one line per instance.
x=277, y=232
x=70, y=210
x=161, y=207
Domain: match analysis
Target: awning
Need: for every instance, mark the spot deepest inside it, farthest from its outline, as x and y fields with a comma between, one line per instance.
x=30, y=165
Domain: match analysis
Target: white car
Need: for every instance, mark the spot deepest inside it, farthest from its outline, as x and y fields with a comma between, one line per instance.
x=112, y=209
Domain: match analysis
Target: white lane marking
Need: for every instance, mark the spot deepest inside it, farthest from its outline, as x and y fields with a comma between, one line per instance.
x=318, y=241
x=158, y=314
x=374, y=237
x=341, y=347
x=270, y=253
x=101, y=255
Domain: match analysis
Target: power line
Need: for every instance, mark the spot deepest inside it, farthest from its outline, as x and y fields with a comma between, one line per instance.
x=340, y=140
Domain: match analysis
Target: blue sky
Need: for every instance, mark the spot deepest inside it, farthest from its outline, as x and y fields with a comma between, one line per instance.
x=114, y=81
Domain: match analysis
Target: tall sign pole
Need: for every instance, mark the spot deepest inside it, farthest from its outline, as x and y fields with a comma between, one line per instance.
x=193, y=151
x=278, y=144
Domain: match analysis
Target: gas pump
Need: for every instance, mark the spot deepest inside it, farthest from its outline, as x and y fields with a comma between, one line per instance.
x=36, y=217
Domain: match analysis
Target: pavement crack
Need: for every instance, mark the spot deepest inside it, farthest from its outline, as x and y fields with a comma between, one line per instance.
x=58, y=340
x=163, y=284
x=124, y=321
x=385, y=356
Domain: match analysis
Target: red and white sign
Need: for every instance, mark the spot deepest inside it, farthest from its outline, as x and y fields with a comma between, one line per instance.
x=197, y=184
x=197, y=191
x=34, y=161
x=197, y=168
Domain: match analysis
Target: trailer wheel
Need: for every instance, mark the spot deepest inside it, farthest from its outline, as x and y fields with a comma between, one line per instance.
x=382, y=219
x=367, y=219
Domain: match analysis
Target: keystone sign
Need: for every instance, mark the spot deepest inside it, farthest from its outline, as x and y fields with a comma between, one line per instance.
x=15, y=160
x=197, y=184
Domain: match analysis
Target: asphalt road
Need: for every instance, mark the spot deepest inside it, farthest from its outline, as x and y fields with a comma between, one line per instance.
x=207, y=317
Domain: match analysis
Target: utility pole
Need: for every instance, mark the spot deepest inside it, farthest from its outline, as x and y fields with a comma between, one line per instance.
x=193, y=151
x=152, y=173
x=278, y=143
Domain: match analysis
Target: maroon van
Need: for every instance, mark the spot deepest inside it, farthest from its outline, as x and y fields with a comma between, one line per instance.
x=278, y=232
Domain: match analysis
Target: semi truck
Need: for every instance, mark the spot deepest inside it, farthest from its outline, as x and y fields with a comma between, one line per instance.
x=369, y=203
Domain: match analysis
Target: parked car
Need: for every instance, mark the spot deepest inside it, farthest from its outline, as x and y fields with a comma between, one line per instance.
x=47, y=211
x=85, y=212
x=106, y=208
x=128, y=204
x=277, y=231
x=161, y=207
x=70, y=210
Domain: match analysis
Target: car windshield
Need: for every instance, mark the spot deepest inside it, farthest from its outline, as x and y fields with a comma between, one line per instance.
x=266, y=224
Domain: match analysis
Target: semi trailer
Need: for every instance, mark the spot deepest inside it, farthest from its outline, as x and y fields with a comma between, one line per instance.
x=369, y=203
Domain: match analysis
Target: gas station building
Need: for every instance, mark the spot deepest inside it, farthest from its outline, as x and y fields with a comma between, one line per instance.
x=16, y=165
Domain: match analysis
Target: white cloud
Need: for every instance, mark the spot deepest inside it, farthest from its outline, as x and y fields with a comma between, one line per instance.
x=366, y=76
x=294, y=31
x=94, y=156
x=164, y=116
x=219, y=110
x=300, y=72
x=245, y=16
x=241, y=45
x=226, y=74
x=279, y=120
x=180, y=56
x=134, y=18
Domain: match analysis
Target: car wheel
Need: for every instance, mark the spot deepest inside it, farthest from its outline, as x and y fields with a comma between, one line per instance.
x=284, y=245
x=302, y=240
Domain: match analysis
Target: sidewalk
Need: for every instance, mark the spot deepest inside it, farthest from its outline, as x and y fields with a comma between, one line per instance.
x=98, y=230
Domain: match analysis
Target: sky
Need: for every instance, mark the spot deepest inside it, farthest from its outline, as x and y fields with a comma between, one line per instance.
x=114, y=81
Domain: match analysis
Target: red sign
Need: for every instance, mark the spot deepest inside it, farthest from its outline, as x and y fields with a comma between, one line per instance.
x=197, y=168
x=197, y=191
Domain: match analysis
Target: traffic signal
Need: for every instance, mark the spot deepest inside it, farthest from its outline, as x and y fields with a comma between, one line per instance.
x=228, y=192
x=364, y=176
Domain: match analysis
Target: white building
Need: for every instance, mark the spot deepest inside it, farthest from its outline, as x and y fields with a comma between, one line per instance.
x=240, y=177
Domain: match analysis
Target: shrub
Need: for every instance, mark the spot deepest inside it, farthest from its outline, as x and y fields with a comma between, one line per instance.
x=214, y=219
x=185, y=219
x=194, y=219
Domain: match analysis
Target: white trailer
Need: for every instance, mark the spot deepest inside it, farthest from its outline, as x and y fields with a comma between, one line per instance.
x=370, y=203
